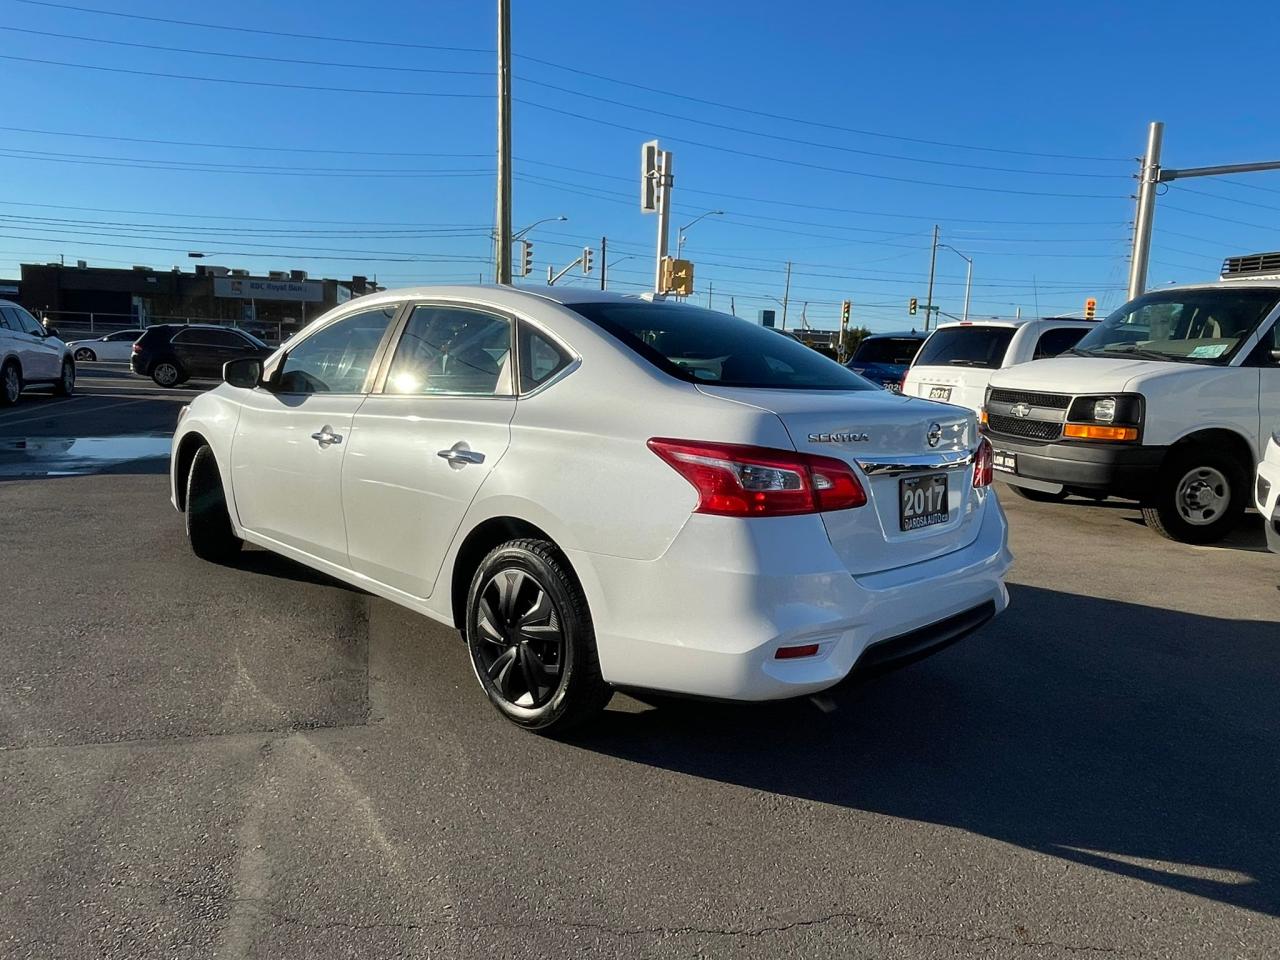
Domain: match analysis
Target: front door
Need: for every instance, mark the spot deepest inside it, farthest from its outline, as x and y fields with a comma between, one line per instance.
x=290, y=441
x=41, y=358
x=424, y=441
x=1266, y=357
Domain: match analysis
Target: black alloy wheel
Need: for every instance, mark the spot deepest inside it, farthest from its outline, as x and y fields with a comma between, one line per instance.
x=531, y=640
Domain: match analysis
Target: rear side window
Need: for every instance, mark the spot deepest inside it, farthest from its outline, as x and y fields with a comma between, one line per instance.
x=966, y=347
x=337, y=358
x=540, y=358
x=1052, y=343
x=702, y=346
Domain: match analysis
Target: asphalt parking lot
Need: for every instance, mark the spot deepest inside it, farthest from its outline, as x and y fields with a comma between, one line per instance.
x=256, y=761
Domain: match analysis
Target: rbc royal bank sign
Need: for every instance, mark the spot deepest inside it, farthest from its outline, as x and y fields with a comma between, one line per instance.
x=255, y=288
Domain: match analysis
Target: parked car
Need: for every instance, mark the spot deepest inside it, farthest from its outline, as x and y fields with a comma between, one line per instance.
x=1267, y=492
x=30, y=355
x=884, y=357
x=957, y=361
x=1170, y=401
x=172, y=353
x=602, y=491
x=113, y=346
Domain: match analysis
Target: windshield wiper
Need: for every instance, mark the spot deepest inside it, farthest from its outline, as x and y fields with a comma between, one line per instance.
x=1082, y=353
x=1133, y=350
x=965, y=363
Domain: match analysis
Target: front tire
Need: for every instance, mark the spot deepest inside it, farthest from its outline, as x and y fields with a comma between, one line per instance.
x=66, y=384
x=10, y=383
x=1199, y=497
x=166, y=374
x=531, y=639
x=208, y=521
x=85, y=354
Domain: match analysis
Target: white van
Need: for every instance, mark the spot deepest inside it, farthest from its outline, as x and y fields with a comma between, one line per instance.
x=958, y=359
x=1170, y=401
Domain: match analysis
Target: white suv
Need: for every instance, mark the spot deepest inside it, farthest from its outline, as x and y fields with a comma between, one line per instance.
x=957, y=361
x=30, y=355
x=1170, y=401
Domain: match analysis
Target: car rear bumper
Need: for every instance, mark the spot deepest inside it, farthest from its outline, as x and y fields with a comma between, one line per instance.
x=1122, y=471
x=1267, y=500
x=708, y=618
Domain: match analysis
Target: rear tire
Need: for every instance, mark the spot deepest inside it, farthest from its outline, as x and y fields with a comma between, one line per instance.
x=1199, y=496
x=10, y=383
x=531, y=639
x=166, y=373
x=66, y=384
x=1039, y=496
x=208, y=521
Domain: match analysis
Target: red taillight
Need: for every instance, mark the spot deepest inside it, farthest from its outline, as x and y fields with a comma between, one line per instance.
x=137, y=348
x=983, y=472
x=734, y=480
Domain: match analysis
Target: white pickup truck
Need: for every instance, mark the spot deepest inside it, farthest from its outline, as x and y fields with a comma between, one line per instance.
x=1170, y=401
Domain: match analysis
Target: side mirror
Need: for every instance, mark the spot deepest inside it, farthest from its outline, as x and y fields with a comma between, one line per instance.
x=52, y=332
x=244, y=372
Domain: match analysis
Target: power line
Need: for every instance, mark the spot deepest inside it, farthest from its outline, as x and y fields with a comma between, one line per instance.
x=575, y=70
x=217, y=216
x=1210, y=216
x=246, y=83
x=1219, y=196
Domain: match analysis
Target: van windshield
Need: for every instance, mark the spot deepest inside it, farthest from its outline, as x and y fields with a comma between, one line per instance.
x=1186, y=326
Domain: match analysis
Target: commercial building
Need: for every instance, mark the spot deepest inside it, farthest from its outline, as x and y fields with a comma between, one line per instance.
x=78, y=297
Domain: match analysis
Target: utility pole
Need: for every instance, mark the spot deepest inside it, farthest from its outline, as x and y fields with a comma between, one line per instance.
x=502, y=260
x=1145, y=219
x=1151, y=177
x=786, y=294
x=604, y=259
x=665, y=180
x=709, y=286
x=933, y=263
x=733, y=307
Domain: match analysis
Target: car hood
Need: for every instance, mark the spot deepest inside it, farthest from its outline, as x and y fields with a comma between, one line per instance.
x=1086, y=374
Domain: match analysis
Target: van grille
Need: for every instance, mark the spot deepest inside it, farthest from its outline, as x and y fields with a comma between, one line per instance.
x=1028, y=429
x=1054, y=401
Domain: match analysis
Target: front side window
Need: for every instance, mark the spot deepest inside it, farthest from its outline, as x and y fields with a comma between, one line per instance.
x=26, y=322
x=338, y=357
x=966, y=347
x=1186, y=326
x=1052, y=343
x=702, y=346
x=6, y=321
x=452, y=350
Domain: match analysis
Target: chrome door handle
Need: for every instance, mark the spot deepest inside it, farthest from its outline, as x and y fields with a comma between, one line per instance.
x=460, y=455
x=326, y=436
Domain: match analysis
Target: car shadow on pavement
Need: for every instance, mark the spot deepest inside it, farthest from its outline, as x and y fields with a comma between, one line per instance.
x=268, y=564
x=1129, y=738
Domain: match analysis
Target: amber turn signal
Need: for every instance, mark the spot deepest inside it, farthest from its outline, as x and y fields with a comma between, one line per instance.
x=1089, y=431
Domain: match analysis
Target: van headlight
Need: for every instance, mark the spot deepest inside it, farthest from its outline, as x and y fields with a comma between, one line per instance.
x=1104, y=410
x=1114, y=417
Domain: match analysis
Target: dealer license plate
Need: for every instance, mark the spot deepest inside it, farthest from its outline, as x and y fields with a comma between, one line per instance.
x=923, y=500
x=939, y=393
x=1005, y=462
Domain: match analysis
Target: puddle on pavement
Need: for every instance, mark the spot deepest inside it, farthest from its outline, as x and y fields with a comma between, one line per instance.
x=73, y=456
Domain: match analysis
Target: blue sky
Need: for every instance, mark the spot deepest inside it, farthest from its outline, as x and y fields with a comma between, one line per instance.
x=833, y=135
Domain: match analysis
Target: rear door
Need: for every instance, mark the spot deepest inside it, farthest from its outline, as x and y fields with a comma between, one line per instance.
x=423, y=442
x=290, y=441
x=116, y=346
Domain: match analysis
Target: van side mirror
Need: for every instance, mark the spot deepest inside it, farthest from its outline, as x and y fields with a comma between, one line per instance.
x=243, y=372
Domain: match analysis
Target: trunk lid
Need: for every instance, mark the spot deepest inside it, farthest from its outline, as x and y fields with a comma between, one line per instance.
x=896, y=447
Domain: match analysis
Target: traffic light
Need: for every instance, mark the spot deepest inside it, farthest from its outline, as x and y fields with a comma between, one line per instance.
x=526, y=258
x=1090, y=308
x=587, y=255
x=677, y=276
x=911, y=306
x=844, y=315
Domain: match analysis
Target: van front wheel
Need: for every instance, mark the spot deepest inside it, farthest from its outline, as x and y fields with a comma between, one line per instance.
x=1199, y=497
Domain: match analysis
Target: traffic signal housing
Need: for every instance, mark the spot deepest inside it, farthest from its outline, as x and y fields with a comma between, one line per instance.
x=844, y=314
x=526, y=258
x=677, y=276
x=1090, y=308
x=587, y=256
x=911, y=306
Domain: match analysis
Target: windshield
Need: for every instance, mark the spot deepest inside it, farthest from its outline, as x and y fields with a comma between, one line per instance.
x=896, y=350
x=966, y=347
x=1188, y=326
x=702, y=346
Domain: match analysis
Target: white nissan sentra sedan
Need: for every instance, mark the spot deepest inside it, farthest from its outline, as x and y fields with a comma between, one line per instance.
x=602, y=491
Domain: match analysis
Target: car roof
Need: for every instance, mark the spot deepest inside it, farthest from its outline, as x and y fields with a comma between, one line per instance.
x=899, y=335
x=1015, y=322
x=502, y=295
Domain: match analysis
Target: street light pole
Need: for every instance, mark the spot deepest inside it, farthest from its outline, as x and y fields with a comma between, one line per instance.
x=968, y=276
x=502, y=259
x=680, y=238
x=786, y=294
x=1146, y=215
x=933, y=263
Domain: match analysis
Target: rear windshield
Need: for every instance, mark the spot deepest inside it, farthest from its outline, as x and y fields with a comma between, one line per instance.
x=702, y=346
x=965, y=347
x=896, y=350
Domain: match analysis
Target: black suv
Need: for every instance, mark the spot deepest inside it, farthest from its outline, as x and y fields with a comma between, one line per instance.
x=171, y=353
